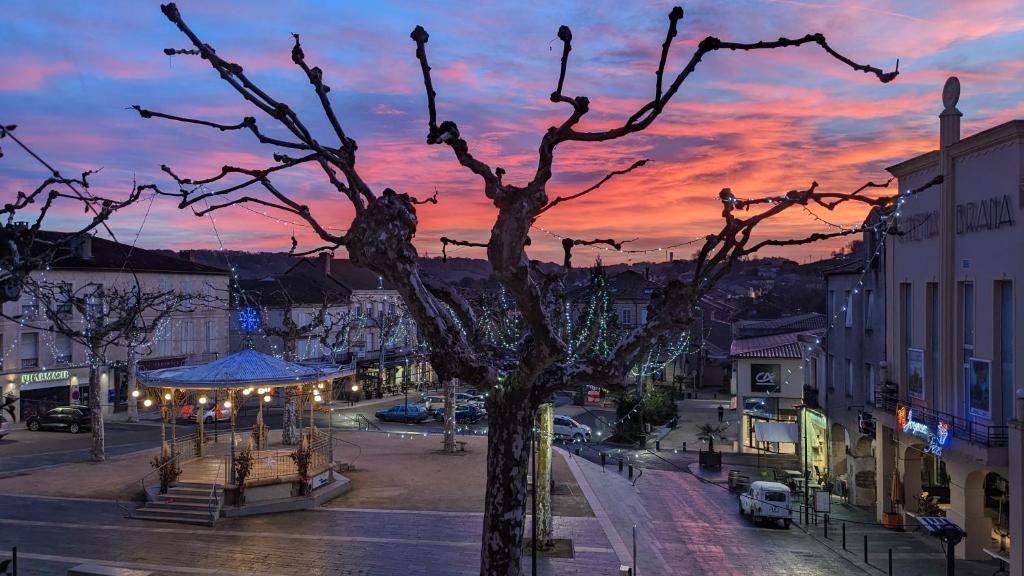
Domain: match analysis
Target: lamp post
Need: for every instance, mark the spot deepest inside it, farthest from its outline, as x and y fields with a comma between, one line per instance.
x=807, y=473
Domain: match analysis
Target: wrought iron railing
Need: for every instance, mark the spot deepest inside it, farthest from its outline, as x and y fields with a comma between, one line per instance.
x=964, y=428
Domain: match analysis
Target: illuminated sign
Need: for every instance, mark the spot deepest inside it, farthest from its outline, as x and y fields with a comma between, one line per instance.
x=45, y=376
x=937, y=439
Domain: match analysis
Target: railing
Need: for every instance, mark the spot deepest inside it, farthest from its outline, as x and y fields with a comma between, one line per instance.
x=963, y=428
x=144, y=479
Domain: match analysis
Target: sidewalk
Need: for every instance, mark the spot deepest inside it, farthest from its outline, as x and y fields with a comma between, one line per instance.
x=694, y=412
x=914, y=552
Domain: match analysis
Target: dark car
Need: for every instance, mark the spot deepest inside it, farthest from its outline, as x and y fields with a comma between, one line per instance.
x=403, y=413
x=71, y=418
x=464, y=414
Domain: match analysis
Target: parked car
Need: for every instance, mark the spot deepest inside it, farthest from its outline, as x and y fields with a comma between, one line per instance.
x=464, y=414
x=5, y=427
x=433, y=402
x=475, y=392
x=570, y=429
x=466, y=398
x=211, y=414
x=767, y=501
x=71, y=418
x=413, y=413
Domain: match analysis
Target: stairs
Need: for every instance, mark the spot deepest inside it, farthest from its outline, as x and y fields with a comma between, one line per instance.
x=185, y=503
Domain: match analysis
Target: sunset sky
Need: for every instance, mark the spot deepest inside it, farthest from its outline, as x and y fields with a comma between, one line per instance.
x=760, y=123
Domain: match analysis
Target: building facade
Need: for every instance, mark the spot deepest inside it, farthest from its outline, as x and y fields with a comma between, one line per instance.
x=948, y=406
x=855, y=356
x=44, y=369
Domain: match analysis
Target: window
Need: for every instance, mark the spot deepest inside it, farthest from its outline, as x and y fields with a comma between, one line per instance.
x=29, y=350
x=966, y=314
x=369, y=341
x=627, y=316
x=849, y=377
x=643, y=314
x=869, y=303
x=869, y=381
x=186, y=293
x=1005, y=295
x=932, y=353
x=906, y=325
x=848, y=308
x=211, y=343
x=64, y=299
x=29, y=307
x=61, y=349
x=163, y=340
x=188, y=337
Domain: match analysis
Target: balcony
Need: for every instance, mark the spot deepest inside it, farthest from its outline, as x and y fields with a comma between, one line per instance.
x=984, y=435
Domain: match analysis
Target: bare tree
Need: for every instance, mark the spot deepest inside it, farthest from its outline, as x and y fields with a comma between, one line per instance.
x=390, y=325
x=23, y=250
x=381, y=233
x=100, y=318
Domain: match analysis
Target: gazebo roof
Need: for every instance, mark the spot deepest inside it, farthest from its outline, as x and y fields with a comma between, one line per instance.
x=238, y=370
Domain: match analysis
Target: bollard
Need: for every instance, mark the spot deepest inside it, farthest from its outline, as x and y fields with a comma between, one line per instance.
x=826, y=527
x=844, y=535
x=630, y=471
x=890, y=561
x=620, y=464
x=866, y=549
x=602, y=460
x=657, y=445
x=684, y=446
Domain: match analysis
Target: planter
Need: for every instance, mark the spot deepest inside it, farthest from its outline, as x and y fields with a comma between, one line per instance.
x=892, y=520
x=710, y=460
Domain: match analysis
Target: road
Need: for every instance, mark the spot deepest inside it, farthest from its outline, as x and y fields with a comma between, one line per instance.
x=22, y=449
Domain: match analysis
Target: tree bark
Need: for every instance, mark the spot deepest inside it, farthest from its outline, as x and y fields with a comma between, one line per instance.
x=449, y=416
x=98, y=452
x=542, y=491
x=290, y=431
x=510, y=418
x=133, y=403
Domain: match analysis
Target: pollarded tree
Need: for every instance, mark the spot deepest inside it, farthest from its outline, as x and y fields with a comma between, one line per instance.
x=101, y=318
x=382, y=229
x=23, y=247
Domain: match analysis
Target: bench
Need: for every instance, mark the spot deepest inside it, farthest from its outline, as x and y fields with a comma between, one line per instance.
x=99, y=570
x=1004, y=560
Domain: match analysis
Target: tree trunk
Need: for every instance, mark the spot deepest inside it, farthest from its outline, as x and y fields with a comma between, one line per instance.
x=290, y=430
x=98, y=452
x=133, y=403
x=508, y=456
x=542, y=491
x=449, y=416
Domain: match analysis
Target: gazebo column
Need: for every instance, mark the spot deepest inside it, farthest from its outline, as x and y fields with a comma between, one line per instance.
x=232, y=397
x=200, y=413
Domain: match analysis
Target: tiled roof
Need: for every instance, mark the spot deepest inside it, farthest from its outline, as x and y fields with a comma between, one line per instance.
x=303, y=284
x=798, y=323
x=241, y=369
x=774, y=346
x=110, y=255
x=630, y=285
x=356, y=278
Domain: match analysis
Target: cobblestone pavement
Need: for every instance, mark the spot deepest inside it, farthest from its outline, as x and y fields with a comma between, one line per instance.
x=53, y=534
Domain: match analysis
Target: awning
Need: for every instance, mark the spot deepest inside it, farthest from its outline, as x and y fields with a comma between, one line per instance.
x=777, y=432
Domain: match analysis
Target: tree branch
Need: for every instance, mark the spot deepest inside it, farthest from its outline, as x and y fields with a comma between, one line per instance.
x=608, y=177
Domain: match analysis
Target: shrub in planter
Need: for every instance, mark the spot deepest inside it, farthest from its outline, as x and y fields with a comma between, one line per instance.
x=302, y=457
x=167, y=467
x=243, y=465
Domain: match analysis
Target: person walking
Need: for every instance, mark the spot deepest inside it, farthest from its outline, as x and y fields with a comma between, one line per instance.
x=721, y=414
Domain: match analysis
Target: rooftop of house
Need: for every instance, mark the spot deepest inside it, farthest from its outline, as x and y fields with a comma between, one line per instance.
x=786, y=324
x=785, y=345
x=93, y=253
x=631, y=285
x=304, y=284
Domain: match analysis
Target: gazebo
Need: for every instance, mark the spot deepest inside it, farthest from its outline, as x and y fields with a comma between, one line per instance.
x=234, y=379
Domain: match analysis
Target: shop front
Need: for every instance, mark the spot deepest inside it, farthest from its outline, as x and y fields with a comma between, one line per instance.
x=38, y=392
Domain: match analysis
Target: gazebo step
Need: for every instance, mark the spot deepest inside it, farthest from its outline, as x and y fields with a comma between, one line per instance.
x=200, y=485
x=151, y=512
x=178, y=504
x=184, y=491
x=185, y=498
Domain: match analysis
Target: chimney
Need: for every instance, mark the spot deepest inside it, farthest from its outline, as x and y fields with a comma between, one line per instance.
x=325, y=261
x=83, y=247
x=949, y=120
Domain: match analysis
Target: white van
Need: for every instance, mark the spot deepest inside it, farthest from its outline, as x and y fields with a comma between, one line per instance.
x=767, y=500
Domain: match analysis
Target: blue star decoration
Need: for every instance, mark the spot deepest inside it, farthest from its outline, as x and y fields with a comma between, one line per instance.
x=248, y=320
